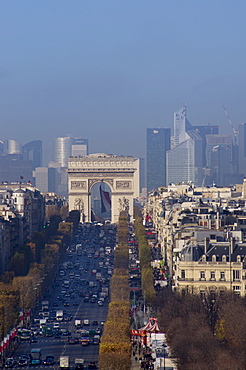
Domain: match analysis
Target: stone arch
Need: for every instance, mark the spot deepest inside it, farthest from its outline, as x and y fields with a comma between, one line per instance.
x=120, y=173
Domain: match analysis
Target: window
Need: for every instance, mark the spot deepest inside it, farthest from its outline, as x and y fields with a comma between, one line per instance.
x=212, y=275
x=236, y=288
x=182, y=274
x=222, y=275
x=202, y=275
x=203, y=294
x=236, y=275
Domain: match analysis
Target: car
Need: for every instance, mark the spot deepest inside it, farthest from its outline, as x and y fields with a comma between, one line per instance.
x=86, y=322
x=96, y=339
x=94, y=322
x=10, y=362
x=98, y=331
x=73, y=340
x=33, y=339
x=65, y=332
x=56, y=325
x=67, y=317
x=57, y=333
x=92, y=365
x=49, y=360
x=66, y=304
x=92, y=300
x=25, y=356
x=86, y=299
x=55, y=304
x=75, y=303
x=100, y=302
x=35, y=331
x=23, y=362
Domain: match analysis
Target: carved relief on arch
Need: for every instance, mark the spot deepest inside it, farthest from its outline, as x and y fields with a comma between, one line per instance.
x=79, y=204
x=123, y=204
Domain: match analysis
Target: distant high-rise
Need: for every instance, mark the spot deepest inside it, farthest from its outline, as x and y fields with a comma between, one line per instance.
x=62, y=150
x=65, y=147
x=219, y=153
x=79, y=147
x=12, y=147
x=184, y=161
x=181, y=125
x=33, y=151
x=242, y=148
x=142, y=178
x=158, y=143
x=47, y=179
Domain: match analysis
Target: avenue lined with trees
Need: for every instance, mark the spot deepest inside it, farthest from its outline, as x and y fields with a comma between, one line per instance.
x=33, y=268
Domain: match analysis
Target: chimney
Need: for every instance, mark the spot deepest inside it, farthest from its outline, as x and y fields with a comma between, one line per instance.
x=232, y=245
x=206, y=244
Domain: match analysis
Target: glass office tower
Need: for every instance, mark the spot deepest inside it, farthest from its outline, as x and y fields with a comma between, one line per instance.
x=158, y=143
x=65, y=147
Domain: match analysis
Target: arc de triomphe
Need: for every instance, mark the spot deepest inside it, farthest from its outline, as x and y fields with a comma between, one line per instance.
x=121, y=173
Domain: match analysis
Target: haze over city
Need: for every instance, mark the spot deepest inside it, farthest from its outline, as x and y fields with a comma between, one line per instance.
x=107, y=70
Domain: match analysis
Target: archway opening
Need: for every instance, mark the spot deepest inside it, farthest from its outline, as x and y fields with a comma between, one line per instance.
x=100, y=202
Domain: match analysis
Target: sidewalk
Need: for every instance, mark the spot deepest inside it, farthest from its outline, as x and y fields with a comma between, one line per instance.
x=135, y=363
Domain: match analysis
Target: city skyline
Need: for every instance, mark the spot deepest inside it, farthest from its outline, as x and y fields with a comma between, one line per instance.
x=108, y=71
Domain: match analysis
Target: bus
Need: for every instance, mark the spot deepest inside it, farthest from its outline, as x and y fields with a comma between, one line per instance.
x=36, y=356
x=85, y=338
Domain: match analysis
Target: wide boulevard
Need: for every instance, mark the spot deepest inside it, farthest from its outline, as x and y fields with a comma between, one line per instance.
x=82, y=278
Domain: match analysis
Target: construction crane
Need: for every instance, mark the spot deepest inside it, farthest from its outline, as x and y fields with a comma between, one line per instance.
x=234, y=130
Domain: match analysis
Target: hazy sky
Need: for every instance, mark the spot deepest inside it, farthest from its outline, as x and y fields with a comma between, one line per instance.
x=108, y=69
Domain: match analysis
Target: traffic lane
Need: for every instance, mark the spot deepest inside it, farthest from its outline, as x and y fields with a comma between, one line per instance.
x=58, y=346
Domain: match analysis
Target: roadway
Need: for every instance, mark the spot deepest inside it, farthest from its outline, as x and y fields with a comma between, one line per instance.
x=79, y=272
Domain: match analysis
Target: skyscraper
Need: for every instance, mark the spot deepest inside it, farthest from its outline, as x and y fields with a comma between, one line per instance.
x=184, y=161
x=62, y=150
x=181, y=125
x=219, y=152
x=79, y=147
x=65, y=147
x=33, y=151
x=158, y=143
x=187, y=158
x=12, y=147
x=242, y=148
